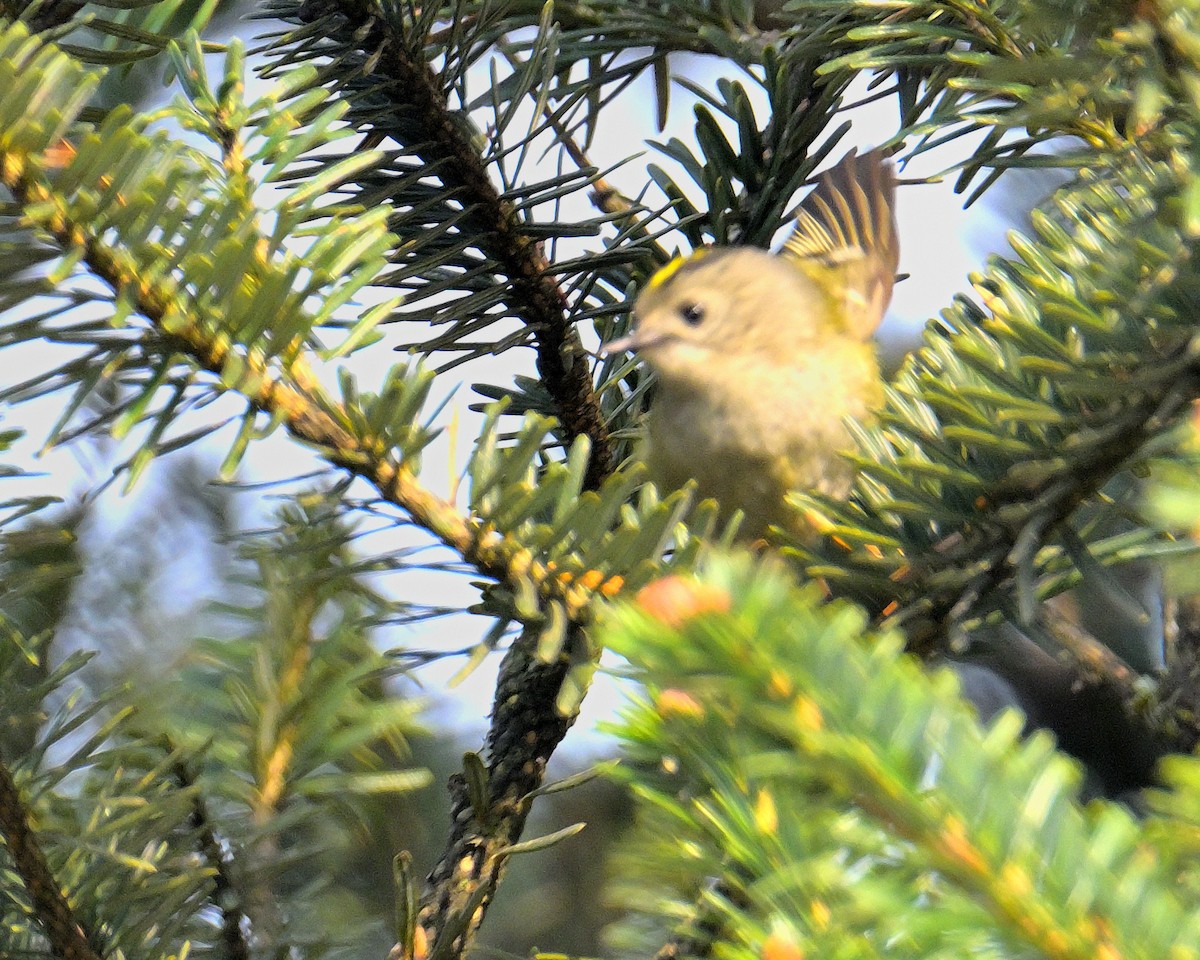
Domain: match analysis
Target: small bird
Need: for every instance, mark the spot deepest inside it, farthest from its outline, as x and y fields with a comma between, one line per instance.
x=761, y=357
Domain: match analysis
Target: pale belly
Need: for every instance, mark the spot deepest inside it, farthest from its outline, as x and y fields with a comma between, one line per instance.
x=750, y=451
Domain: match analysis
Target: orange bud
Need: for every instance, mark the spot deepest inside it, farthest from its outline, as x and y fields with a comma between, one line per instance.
x=781, y=945
x=612, y=586
x=420, y=943
x=675, y=600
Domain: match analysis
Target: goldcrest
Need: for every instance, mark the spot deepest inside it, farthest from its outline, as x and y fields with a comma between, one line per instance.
x=761, y=358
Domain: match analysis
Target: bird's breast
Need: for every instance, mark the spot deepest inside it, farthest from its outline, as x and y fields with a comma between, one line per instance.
x=748, y=432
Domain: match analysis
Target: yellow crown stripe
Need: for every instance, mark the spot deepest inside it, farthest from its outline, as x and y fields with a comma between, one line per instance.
x=666, y=272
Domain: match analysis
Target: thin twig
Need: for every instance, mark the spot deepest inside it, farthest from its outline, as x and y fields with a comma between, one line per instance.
x=1094, y=659
x=605, y=196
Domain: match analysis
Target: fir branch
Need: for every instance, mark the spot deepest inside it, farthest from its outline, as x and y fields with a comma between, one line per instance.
x=66, y=933
x=1002, y=548
x=298, y=400
x=944, y=595
x=234, y=922
x=300, y=403
x=272, y=781
x=539, y=301
x=783, y=724
x=521, y=740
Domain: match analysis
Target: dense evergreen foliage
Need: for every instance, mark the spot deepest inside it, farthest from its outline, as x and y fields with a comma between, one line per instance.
x=808, y=782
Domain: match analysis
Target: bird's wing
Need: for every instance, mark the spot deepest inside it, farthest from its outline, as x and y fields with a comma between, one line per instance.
x=845, y=234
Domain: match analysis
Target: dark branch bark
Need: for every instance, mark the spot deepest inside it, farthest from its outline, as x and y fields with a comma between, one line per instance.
x=68, y=938
x=225, y=893
x=524, y=733
x=538, y=300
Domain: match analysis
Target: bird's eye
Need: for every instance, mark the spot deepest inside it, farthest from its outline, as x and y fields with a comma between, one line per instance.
x=692, y=314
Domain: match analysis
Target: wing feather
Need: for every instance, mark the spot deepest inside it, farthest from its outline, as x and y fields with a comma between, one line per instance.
x=845, y=233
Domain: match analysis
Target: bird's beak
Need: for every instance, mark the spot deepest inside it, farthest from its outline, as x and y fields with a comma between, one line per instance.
x=624, y=345
x=636, y=342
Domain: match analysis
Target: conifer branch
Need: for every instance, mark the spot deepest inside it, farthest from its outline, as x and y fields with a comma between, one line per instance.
x=1050, y=504
x=526, y=724
x=936, y=619
x=271, y=787
x=68, y=938
x=307, y=414
x=225, y=892
x=539, y=301
x=524, y=733
x=759, y=759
